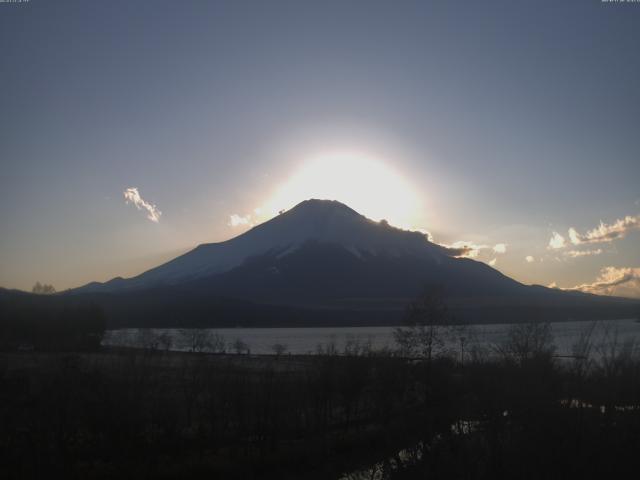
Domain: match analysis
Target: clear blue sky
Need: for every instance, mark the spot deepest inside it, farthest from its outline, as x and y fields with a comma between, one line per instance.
x=509, y=120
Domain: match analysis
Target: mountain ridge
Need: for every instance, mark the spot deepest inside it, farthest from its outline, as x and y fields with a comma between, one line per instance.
x=324, y=264
x=325, y=221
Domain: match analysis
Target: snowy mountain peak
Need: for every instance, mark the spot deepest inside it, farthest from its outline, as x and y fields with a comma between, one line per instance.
x=319, y=207
x=320, y=221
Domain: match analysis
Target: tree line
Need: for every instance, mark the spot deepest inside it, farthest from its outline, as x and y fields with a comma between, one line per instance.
x=49, y=322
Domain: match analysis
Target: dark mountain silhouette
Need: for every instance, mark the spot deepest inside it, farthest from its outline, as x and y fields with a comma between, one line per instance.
x=321, y=222
x=323, y=263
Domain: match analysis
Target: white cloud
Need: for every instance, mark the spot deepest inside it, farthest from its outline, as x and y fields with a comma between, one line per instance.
x=553, y=285
x=471, y=249
x=465, y=249
x=606, y=232
x=500, y=248
x=601, y=234
x=557, y=241
x=493, y=262
x=236, y=220
x=132, y=195
x=582, y=253
x=529, y=259
x=574, y=236
x=623, y=282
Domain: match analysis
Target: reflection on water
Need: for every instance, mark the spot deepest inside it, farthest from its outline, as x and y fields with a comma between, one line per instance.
x=382, y=470
x=408, y=457
x=302, y=341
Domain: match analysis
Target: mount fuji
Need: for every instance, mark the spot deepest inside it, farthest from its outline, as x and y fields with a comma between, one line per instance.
x=322, y=263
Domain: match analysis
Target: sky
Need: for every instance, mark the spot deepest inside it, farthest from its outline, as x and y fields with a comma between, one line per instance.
x=131, y=132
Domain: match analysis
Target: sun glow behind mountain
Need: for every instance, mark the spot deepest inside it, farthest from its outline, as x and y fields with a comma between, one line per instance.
x=370, y=186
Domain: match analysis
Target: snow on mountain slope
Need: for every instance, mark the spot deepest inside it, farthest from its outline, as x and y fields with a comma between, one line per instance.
x=322, y=221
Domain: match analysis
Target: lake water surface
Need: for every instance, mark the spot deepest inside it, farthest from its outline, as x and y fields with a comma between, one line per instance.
x=309, y=340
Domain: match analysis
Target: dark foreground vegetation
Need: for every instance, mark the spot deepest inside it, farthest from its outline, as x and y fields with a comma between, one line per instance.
x=70, y=409
x=49, y=323
x=155, y=414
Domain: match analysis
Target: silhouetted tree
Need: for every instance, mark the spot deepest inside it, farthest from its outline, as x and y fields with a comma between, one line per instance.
x=239, y=346
x=528, y=341
x=148, y=339
x=198, y=340
x=43, y=289
x=423, y=335
x=165, y=341
x=279, y=348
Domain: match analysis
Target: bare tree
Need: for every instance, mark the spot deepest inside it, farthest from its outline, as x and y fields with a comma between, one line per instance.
x=165, y=341
x=528, y=341
x=218, y=343
x=43, y=289
x=147, y=339
x=424, y=336
x=614, y=353
x=239, y=346
x=328, y=349
x=279, y=348
x=197, y=340
x=582, y=351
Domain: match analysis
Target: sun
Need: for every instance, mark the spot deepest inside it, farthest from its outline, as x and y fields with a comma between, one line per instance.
x=369, y=186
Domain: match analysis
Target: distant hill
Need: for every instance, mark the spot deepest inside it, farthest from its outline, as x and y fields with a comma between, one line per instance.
x=322, y=263
x=49, y=322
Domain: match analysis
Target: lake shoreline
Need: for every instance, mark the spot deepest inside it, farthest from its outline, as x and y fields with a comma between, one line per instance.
x=314, y=340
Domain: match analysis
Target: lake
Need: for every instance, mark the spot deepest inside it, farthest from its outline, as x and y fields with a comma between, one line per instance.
x=309, y=340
